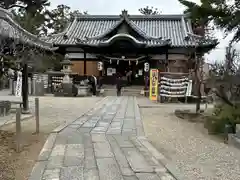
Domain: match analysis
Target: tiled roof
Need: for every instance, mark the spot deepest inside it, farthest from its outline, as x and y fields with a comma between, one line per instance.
x=156, y=29
x=10, y=29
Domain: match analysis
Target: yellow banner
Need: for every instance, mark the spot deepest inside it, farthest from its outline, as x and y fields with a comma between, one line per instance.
x=153, y=89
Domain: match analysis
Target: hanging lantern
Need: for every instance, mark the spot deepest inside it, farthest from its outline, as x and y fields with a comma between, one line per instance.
x=136, y=62
x=100, y=66
x=129, y=62
x=146, y=67
x=110, y=61
x=117, y=62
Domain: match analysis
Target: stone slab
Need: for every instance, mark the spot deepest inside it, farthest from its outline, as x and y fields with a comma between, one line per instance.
x=130, y=178
x=55, y=162
x=121, y=159
x=116, y=123
x=99, y=138
x=123, y=142
x=58, y=150
x=76, y=138
x=160, y=157
x=97, y=132
x=113, y=132
x=103, y=129
x=137, y=161
x=73, y=173
x=108, y=169
x=89, y=124
x=84, y=130
x=147, y=176
x=80, y=120
x=74, y=155
x=61, y=140
x=53, y=174
x=102, y=124
x=89, y=160
x=38, y=170
x=87, y=141
x=74, y=126
x=91, y=174
x=47, y=148
x=102, y=150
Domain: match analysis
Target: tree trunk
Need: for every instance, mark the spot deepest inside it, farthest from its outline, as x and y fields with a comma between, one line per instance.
x=25, y=88
x=198, y=85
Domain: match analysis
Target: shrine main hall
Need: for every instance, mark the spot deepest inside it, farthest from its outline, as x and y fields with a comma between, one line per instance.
x=126, y=42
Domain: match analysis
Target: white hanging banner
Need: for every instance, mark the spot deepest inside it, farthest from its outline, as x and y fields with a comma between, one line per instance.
x=18, y=91
x=189, y=88
x=170, y=87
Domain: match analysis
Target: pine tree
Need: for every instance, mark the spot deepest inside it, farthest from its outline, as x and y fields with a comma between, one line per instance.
x=222, y=14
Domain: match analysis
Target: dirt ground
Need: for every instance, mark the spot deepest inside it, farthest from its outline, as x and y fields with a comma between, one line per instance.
x=17, y=166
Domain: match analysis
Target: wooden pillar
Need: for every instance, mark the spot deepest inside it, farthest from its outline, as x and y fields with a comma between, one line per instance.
x=85, y=64
x=166, y=60
x=25, y=88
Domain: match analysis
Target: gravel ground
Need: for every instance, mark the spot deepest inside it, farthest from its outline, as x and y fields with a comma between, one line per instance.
x=55, y=111
x=187, y=146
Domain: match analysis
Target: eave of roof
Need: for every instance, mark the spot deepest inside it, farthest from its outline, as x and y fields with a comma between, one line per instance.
x=18, y=33
x=108, y=42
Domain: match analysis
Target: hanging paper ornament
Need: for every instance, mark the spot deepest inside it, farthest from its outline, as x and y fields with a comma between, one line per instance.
x=129, y=62
x=117, y=62
x=137, y=62
x=110, y=61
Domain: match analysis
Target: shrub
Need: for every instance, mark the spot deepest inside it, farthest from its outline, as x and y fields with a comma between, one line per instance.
x=222, y=115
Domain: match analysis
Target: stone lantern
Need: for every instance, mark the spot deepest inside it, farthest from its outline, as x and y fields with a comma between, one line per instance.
x=67, y=64
x=67, y=84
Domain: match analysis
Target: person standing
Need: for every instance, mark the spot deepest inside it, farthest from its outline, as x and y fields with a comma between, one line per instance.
x=129, y=77
x=94, y=85
x=118, y=85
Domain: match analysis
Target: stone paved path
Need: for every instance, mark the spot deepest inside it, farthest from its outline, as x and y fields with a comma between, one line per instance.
x=107, y=143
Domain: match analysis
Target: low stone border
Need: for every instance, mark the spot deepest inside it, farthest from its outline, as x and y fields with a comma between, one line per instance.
x=40, y=165
x=161, y=158
x=63, y=126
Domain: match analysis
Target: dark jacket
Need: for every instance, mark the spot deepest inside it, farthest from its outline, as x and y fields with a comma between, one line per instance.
x=118, y=83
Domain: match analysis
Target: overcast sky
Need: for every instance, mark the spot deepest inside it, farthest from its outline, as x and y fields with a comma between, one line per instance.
x=109, y=7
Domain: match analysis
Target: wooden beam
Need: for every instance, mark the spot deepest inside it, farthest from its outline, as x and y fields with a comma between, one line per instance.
x=85, y=64
x=174, y=73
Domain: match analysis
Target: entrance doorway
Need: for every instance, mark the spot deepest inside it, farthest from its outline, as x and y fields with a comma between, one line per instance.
x=122, y=67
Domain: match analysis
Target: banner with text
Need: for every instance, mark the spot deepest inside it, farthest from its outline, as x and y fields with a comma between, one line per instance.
x=153, y=89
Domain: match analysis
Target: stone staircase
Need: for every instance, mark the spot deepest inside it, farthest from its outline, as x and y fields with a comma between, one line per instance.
x=126, y=91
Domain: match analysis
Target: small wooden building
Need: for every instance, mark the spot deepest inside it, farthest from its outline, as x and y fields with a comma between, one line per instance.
x=125, y=42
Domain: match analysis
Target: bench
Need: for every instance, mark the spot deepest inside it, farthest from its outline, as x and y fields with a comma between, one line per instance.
x=5, y=107
x=20, y=103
